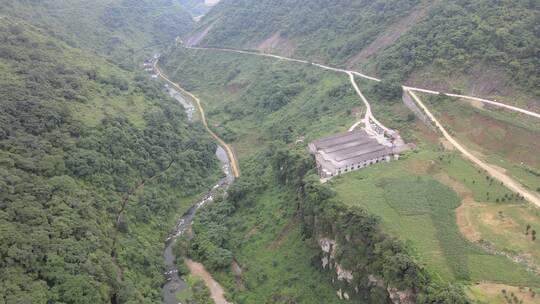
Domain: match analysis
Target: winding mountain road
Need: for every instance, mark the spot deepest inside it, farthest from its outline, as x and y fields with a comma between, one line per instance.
x=486, y=101
x=230, y=152
x=369, y=117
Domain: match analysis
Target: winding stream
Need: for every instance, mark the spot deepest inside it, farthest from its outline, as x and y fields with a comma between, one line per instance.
x=174, y=283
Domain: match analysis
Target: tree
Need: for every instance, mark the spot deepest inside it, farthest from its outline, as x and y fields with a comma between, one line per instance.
x=389, y=89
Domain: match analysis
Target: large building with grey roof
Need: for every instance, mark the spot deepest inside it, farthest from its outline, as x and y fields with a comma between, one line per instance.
x=345, y=152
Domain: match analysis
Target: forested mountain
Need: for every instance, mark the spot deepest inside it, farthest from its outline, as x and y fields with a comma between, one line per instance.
x=495, y=41
x=94, y=162
x=116, y=28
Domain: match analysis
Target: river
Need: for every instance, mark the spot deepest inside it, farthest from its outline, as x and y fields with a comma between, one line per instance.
x=174, y=282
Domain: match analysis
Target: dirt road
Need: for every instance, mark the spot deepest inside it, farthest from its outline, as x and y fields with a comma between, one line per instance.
x=369, y=114
x=369, y=117
x=232, y=156
x=498, y=175
x=216, y=291
x=506, y=180
x=491, y=102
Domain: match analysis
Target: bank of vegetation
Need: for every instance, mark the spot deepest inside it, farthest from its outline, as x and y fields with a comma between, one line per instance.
x=452, y=38
x=94, y=162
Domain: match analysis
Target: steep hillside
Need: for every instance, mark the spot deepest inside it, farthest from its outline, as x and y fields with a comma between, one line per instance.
x=116, y=28
x=94, y=165
x=329, y=31
x=260, y=103
x=489, y=41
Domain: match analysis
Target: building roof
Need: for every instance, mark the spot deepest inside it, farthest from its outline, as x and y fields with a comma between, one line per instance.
x=349, y=148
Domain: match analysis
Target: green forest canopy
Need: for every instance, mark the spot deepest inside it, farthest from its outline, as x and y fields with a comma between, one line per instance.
x=63, y=179
x=453, y=36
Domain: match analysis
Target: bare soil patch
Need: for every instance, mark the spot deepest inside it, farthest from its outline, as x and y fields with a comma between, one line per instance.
x=464, y=220
x=216, y=291
x=237, y=271
x=497, y=222
x=277, y=44
x=388, y=37
x=493, y=293
x=446, y=144
x=475, y=103
x=196, y=38
x=464, y=214
x=419, y=167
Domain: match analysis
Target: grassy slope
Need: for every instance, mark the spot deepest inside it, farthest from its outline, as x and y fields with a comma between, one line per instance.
x=432, y=230
x=61, y=71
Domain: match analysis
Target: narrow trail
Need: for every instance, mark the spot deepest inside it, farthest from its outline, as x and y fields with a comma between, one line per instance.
x=230, y=152
x=506, y=180
x=369, y=117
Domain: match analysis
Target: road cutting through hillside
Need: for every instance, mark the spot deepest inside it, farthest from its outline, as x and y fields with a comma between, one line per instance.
x=230, y=152
x=369, y=114
x=483, y=100
x=506, y=180
x=503, y=178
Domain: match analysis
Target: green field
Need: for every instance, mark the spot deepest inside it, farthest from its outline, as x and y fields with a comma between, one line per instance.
x=420, y=210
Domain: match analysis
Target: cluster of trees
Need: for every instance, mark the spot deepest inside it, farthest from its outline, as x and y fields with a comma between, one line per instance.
x=532, y=232
x=388, y=89
x=362, y=246
x=209, y=245
x=456, y=35
x=62, y=179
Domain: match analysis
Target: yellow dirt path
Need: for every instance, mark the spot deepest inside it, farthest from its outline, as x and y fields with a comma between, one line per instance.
x=216, y=291
x=230, y=152
x=497, y=174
